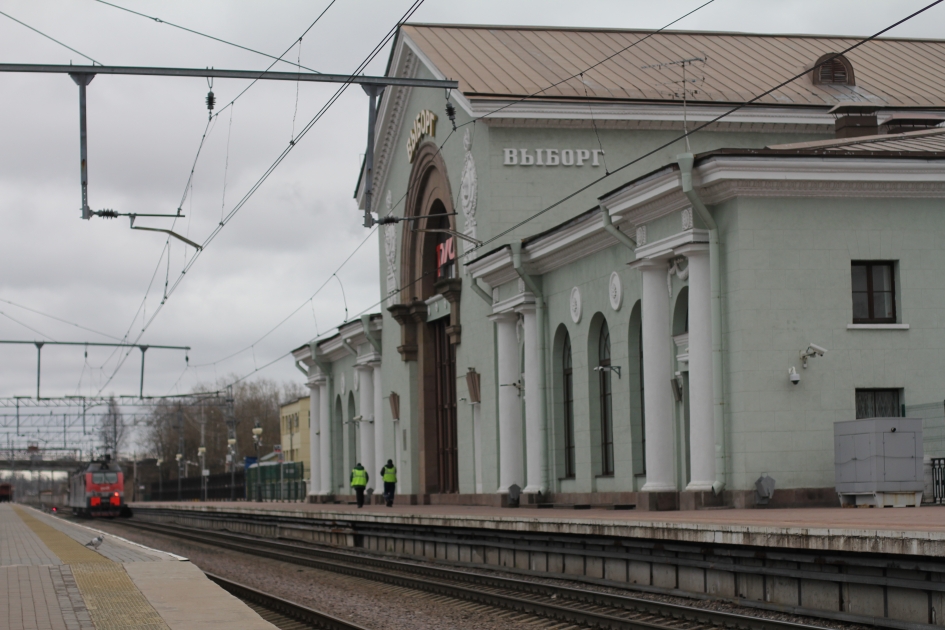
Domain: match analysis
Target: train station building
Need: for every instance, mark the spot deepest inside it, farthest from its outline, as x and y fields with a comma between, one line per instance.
x=591, y=308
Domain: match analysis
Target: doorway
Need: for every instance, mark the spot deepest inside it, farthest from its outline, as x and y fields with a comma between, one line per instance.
x=445, y=375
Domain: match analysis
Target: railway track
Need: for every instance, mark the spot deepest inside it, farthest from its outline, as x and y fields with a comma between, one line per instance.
x=557, y=604
x=282, y=613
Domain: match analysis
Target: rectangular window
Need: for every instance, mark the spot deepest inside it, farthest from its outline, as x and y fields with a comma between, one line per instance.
x=874, y=292
x=878, y=403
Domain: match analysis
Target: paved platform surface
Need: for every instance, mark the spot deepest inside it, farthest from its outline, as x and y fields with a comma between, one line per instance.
x=50, y=580
x=910, y=531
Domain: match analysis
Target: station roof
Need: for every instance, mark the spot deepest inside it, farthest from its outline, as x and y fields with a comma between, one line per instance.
x=918, y=143
x=501, y=62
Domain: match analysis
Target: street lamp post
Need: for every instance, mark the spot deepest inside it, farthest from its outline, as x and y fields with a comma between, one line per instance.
x=231, y=443
x=160, y=480
x=202, y=452
x=257, y=439
x=180, y=468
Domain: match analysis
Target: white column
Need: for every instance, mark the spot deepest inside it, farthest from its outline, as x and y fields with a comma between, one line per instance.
x=701, y=417
x=314, y=451
x=657, y=370
x=511, y=469
x=324, y=441
x=366, y=426
x=381, y=452
x=534, y=450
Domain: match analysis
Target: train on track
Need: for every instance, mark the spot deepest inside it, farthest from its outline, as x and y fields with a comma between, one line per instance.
x=98, y=490
x=6, y=492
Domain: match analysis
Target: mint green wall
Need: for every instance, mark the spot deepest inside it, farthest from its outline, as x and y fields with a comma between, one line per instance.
x=786, y=284
x=507, y=195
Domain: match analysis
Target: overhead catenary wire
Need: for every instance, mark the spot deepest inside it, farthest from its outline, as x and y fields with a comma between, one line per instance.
x=214, y=38
x=49, y=37
x=589, y=68
x=26, y=326
x=59, y=319
x=413, y=8
x=626, y=165
x=700, y=127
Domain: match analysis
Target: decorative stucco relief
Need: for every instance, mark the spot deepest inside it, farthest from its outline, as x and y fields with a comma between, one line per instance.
x=390, y=250
x=687, y=219
x=641, y=235
x=615, y=291
x=341, y=384
x=469, y=189
x=576, y=305
x=675, y=269
x=356, y=381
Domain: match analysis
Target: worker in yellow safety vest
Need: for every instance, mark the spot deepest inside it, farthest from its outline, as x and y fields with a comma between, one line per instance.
x=359, y=479
x=389, y=475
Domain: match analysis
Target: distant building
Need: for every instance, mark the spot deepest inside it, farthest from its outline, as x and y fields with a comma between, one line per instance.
x=294, y=421
x=592, y=309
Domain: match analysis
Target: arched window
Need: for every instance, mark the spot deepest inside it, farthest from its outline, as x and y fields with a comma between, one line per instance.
x=606, y=406
x=567, y=381
x=833, y=69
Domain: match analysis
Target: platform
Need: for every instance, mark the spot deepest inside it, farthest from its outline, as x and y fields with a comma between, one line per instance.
x=907, y=531
x=49, y=580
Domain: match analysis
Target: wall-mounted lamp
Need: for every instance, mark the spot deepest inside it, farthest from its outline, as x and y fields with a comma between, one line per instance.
x=677, y=389
x=608, y=368
x=517, y=385
x=394, y=406
x=812, y=350
x=472, y=384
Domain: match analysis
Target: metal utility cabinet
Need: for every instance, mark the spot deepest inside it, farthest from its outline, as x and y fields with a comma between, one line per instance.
x=878, y=462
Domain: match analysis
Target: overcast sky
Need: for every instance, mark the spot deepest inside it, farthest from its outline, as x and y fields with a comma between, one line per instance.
x=299, y=226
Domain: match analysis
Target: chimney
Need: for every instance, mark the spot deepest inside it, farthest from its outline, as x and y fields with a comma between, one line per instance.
x=855, y=120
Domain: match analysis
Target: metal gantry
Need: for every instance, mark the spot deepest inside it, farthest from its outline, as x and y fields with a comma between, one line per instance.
x=83, y=75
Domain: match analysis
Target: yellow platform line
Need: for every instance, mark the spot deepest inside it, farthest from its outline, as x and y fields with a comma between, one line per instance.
x=112, y=599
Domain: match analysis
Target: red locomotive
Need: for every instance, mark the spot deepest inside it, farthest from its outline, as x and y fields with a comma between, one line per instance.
x=98, y=489
x=6, y=492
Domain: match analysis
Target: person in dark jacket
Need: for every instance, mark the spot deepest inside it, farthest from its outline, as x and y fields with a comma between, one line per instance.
x=359, y=479
x=389, y=475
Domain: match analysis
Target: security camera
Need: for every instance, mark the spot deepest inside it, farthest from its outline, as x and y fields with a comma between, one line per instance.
x=794, y=376
x=812, y=350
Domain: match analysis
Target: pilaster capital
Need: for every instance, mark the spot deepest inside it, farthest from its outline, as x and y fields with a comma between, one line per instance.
x=526, y=309
x=317, y=381
x=691, y=250
x=504, y=317
x=649, y=264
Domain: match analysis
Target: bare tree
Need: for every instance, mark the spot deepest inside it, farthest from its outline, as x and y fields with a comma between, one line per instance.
x=113, y=432
x=256, y=401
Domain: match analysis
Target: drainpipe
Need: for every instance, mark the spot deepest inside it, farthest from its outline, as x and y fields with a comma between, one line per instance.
x=301, y=369
x=540, y=332
x=685, y=162
x=613, y=231
x=478, y=290
x=366, y=325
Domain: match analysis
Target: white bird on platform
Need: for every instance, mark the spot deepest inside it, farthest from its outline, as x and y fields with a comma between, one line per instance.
x=95, y=542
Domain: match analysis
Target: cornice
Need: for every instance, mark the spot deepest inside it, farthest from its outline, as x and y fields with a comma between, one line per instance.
x=804, y=119
x=509, y=305
x=331, y=348
x=723, y=178
x=390, y=120
x=494, y=269
x=666, y=247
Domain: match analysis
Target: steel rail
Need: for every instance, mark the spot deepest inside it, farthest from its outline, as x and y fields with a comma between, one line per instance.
x=284, y=607
x=545, y=600
x=230, y=74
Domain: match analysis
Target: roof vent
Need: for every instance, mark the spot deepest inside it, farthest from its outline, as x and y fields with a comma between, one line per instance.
x=855, y=120
x=902, y=123
x=833, y=69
